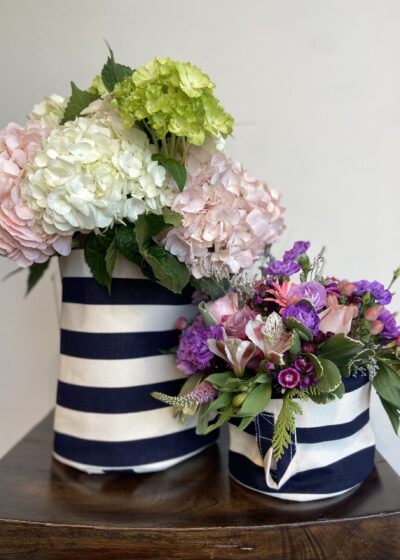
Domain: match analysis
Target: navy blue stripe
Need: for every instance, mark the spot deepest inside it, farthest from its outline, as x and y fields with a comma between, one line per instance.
x=320, y=434
x=130, y=453
x=116, y=346
x=124, y=291
x=115, y=400
x=336, y=477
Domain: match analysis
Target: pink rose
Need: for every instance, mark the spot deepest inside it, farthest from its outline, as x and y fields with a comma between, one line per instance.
x=235, y=325
x=223, y=307
x=336, y=319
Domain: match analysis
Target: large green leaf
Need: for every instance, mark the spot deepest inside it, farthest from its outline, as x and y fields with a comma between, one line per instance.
x=257, y=400
x=96, y=248
x=324, y=398
x=330, y=378
x=358, y=359
x=219, y=379
x=393, y=413
x=174, y=168
x=387, y=383
x=340, y=348
x=147, y=227
x=303, y=331
x=221, y=401
x=112, y=72
x=209, y=287
x=170, y=272
x=172, y=218
x=78, y=100
x=36, y=271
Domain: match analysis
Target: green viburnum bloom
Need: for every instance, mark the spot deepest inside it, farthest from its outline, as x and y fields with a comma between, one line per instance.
x=97, y=86
x=172, y=97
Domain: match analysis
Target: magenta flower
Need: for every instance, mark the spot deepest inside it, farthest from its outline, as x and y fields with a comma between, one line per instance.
x=288, y=378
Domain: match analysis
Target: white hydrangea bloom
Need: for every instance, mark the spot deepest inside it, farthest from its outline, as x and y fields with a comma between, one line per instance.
x=49, y=111
x=91, y=173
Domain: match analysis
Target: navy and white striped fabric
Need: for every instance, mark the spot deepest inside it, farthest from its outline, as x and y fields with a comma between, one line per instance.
x=111, y=360
x=333, y=448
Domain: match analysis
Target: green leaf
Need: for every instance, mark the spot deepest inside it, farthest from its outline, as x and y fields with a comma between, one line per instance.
x=208, y=286
x=218, y=380
x=147, y=227
x=294, y=324
x=170, y=272
x=223, y=417
x=202, y=421
x=316, y=363
x=174, y=168
x=360, y=357
x=172, y=218
x=96, y=248
x=36, y=271
x=393, y=413
x=111, y=256
x=112, y=72
x=125, y=238
x=221, y=401
x=285, y=425
x=330, y=378
x=340, y=348
x=246, y=421
x=295, y=347
x=257, y=400
x=324, y=398
x=79, y=100
x=387, y=383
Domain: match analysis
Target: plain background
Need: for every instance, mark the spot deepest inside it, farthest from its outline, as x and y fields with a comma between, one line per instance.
x=315, y=90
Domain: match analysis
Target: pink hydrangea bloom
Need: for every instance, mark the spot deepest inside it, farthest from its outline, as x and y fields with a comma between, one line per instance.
x=21, y=239
x=228, y=217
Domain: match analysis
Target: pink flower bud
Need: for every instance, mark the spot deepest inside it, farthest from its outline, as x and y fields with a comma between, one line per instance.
x=376, y=327
x=181, y=323
x=347, y=288
x=354, y=309
x=372, y=313
x=331, y=300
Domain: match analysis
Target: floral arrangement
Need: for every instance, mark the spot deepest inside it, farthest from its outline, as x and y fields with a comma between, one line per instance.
x=134, y=164
x=292, y=339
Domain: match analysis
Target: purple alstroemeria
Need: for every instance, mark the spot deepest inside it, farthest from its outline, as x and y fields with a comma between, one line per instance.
x=377, y=290
x=305, y=314
x=288, y=378
x=193, y=353
x=298, y=249
x=313, y=292
x=282, y=268
x=390, y=329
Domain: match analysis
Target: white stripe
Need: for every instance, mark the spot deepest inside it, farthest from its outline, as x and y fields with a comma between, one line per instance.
x=74, y=266
x=308, y=456
x=119, y=373
x=140, y=469
x=337, y=412
x=123, y=318
x=296, y=497
x=132, y=426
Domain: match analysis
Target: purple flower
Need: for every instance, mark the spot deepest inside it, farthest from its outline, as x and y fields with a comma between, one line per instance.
x=203, y=393
x=282, y=268
x=313, y=292
x=307, y=380
x=303, y=365
x=305, y=314
x=288, y=378
x=377, y=290
x=298, y=249
x=390, y=329
x=193, y=353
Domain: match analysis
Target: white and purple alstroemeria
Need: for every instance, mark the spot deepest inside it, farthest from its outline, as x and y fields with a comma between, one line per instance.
x=270, y=336
x=234, y=351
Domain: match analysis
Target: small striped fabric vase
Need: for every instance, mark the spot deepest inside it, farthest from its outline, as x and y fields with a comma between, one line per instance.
x=111, y=360
x=332, y=450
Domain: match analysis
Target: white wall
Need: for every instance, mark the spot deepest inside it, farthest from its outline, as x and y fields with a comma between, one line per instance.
x=315, y=89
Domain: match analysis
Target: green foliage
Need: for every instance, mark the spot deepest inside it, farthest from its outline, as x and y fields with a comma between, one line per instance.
x=174, y=168
x=393, y=412
x=78, y=100
x=387, y=382
x=358, y=359
x=256, y=400
x=303, y=332
x=340, y=348
x=324, y=398
x=295, y=347
x=330, y=378
x=96, y=248
x=112, y=72
x=285, y=425
x=111, y=255
x=172, y=218
x=209, y=287
x=36, y=271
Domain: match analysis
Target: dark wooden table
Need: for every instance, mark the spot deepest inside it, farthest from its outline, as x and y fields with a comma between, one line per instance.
x=50, y=511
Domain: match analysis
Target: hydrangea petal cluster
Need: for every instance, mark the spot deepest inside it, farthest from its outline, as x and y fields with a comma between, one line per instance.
x=172, y=97
x=228, y=217
x=193, y=353
x=22, y=239
x=49, y=111
x=92, y=173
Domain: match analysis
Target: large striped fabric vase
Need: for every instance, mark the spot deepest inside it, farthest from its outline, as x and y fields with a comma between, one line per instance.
x=111, y=360
x=332, y=450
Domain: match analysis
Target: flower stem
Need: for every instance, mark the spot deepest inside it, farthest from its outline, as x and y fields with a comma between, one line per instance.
x=165, y=147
